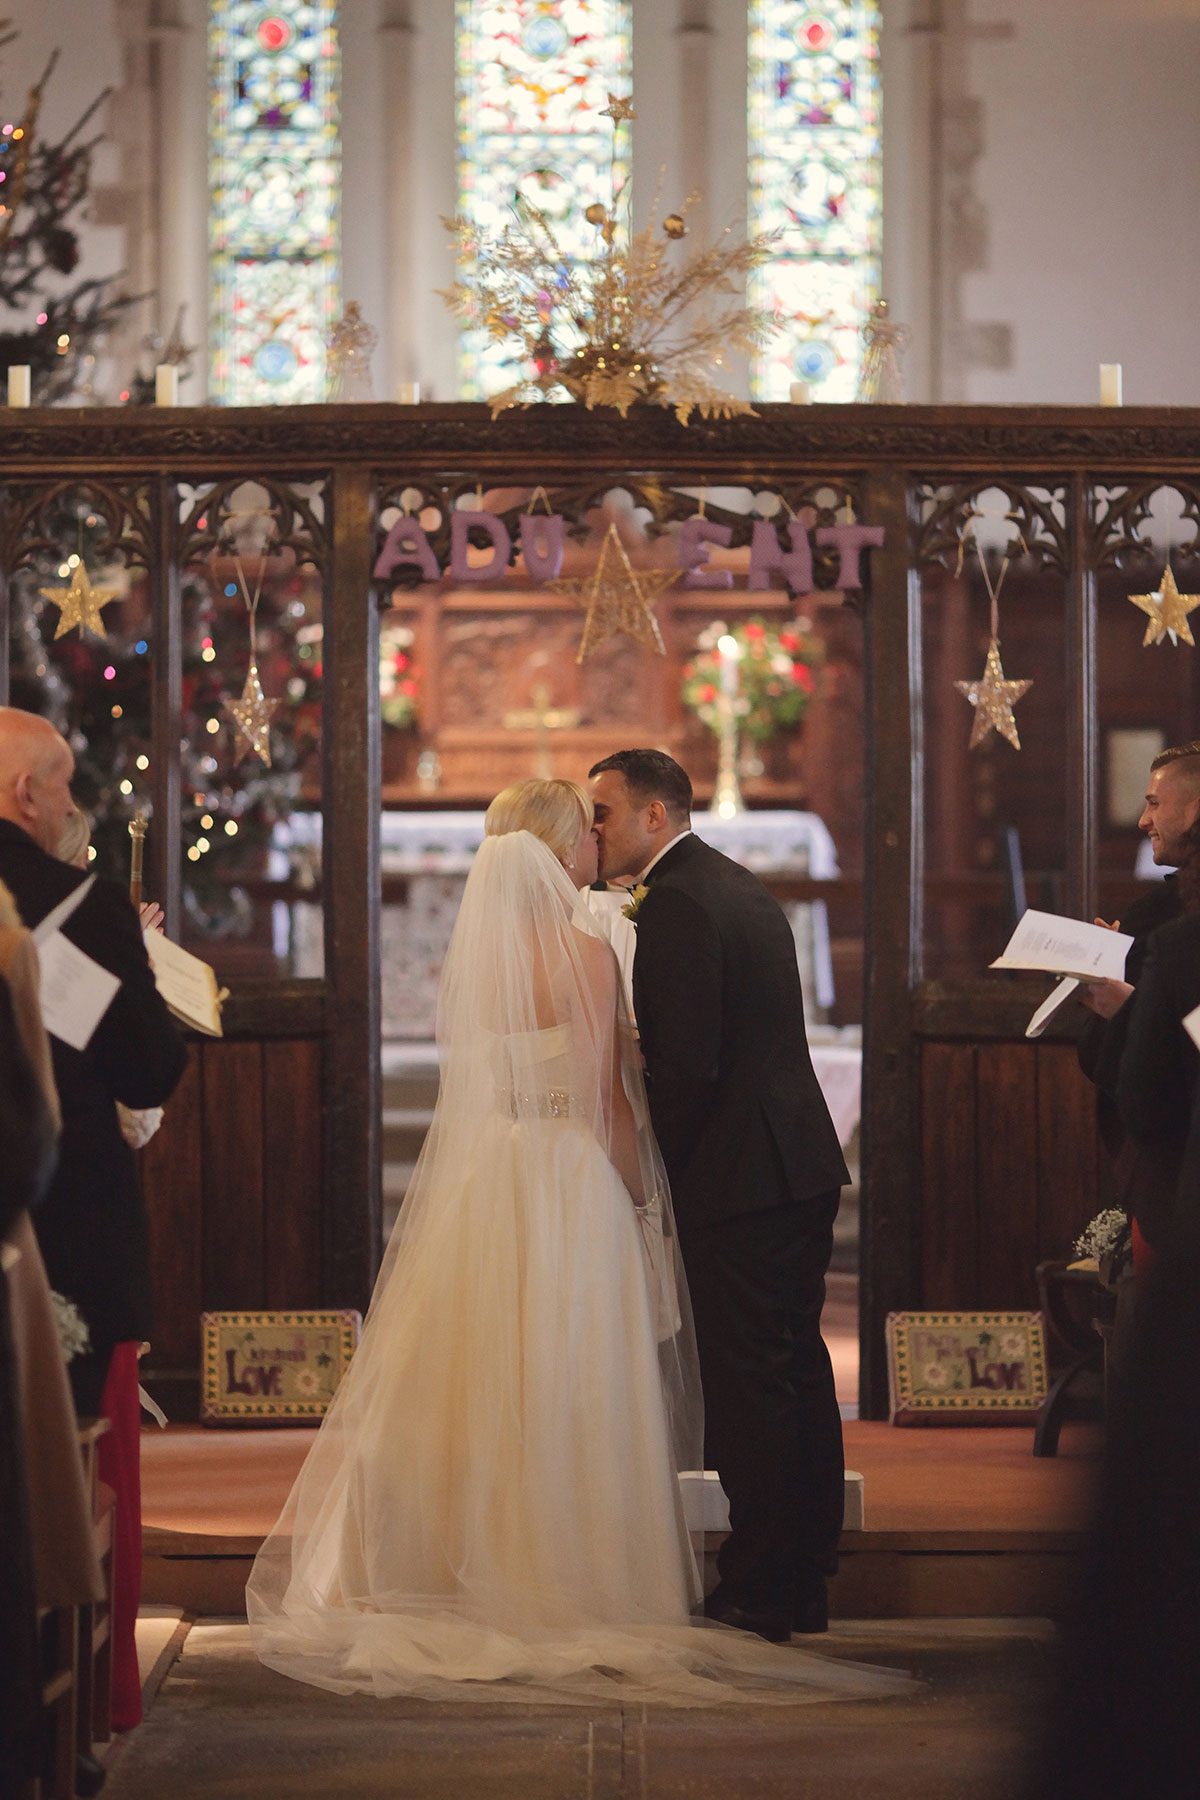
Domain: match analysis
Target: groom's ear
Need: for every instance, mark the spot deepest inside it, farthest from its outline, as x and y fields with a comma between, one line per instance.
x=656, y=815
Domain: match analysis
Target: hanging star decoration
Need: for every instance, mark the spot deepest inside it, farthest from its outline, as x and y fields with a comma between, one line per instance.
x=1167, y=611
x=252, y=711
x=993, y=698
x=79, y=603
x=617, y=597
x=619, y=108
x=252, y=715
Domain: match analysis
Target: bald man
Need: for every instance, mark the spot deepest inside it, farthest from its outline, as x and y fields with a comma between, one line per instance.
x=91, y=1225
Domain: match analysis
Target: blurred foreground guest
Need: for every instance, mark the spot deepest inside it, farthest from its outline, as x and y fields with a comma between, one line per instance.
x=47, y=1554
x=1132, y=1663
x=91, y=1226
x=1130, y=1689
x=119, y=1454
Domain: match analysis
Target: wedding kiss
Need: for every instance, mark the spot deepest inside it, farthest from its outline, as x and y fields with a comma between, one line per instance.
x=596, y=1276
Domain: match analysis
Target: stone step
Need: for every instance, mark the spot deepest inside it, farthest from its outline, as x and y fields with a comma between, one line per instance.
x=407, y=1118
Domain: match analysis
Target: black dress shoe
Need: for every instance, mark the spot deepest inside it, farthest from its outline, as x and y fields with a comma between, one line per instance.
x=810, y=1609
x=769, y=1623
x=90, y=1775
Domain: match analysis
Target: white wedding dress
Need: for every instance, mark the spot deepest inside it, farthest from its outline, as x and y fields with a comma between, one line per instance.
x=493, y=1495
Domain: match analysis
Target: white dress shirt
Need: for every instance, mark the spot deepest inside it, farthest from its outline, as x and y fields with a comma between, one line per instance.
x=677, y=839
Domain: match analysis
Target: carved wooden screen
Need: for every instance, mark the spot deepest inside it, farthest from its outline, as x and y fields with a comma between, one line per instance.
x=977, y=1152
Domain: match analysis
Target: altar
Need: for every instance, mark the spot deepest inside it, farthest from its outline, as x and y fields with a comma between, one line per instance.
x=425, y=858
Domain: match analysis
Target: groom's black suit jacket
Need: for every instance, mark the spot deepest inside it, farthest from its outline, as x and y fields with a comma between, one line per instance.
x=740, y=1118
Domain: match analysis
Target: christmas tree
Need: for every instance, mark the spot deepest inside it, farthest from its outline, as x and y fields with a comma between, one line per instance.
x=44, y=186
x=96, y=690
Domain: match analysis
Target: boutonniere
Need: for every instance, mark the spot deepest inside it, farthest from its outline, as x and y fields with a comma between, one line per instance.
x=636, y=896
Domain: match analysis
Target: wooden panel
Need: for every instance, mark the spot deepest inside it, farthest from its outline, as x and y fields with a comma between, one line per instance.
x=995, y=1006
x=272, y=1009
x=292, y=1172
x=352, y=1211
x=234, y=1268
x=171, y=1173
x=949, y=1221
x=1006, y=1142
x=1068, y=1150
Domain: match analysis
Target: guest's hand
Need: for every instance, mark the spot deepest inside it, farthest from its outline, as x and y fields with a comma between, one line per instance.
x=1115, y=926
x=1105, y=998
x=151, y=915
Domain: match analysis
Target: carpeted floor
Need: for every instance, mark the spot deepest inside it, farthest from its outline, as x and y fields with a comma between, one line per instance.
x=224, y=1728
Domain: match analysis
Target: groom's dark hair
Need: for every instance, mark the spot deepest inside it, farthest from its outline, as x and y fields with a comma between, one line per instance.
x=651, y=775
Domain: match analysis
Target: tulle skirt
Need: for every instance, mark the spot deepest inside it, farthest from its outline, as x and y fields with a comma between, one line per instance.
x=492, y=1497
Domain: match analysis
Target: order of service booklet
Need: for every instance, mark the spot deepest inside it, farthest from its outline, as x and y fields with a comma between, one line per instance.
x=188, y=985
x=1065, y=947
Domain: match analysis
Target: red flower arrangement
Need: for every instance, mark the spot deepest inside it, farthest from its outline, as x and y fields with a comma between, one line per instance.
x=398, y=686
x=777, y=676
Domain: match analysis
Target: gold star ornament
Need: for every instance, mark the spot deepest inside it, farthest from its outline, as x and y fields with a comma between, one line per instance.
x=993, y=698
x=617, y=597
x=1167, y=610
x=252, y=716
x=619, y=108
x=79, y=603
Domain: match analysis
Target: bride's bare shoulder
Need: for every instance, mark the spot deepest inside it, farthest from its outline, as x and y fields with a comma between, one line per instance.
x=594, y=951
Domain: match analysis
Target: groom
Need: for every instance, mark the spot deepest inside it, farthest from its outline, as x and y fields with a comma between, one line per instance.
x=755, y=1170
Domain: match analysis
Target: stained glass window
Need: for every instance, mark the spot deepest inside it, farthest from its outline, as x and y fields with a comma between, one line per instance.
x=532, y=79
x=274, y=167
x=816, y=175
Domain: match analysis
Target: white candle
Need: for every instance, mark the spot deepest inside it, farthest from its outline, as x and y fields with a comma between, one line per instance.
x=798, y=393
x=409, y=393
x=1110, y=384
x=20, y=381
x=166, y=385
x=730, y=655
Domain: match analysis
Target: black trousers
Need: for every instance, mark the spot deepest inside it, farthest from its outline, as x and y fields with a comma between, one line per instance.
x=772, y=1427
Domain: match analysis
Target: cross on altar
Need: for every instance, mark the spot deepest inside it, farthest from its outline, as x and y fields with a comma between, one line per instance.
x=542, y=719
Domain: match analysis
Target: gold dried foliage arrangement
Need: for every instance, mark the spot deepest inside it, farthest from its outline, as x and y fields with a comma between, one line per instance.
x=631, y=322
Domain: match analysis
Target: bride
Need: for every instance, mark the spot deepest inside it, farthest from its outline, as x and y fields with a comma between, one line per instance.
x=493, y=1494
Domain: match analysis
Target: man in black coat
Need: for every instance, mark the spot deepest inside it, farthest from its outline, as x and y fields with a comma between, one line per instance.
x=1157, y=1080
x=91, y=1224
x=755, y=1170
x=1171, y=811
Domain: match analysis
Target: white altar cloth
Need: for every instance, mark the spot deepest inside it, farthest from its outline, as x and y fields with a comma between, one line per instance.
x=838, y=1069
x=443, y=843
x=435, y=850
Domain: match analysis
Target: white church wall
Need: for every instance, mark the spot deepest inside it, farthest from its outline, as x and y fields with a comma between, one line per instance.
x=1091, y=141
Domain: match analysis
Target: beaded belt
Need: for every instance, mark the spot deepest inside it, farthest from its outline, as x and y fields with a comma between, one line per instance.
x=552, y=1103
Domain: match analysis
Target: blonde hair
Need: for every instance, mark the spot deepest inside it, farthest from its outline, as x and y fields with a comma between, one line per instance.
x=75, y=839
x=558, y=812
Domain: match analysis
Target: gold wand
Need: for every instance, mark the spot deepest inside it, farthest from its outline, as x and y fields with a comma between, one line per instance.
x=137, y=839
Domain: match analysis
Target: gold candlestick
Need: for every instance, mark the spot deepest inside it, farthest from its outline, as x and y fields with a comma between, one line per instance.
x=137, y=839
x=727, y=800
